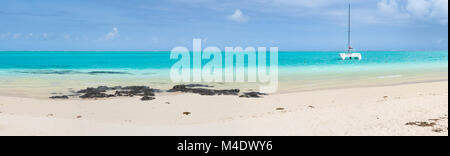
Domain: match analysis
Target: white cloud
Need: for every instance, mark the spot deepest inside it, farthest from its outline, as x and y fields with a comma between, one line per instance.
x=388, y=6
x=391, y=8
x=45, y=36
x=238, y=16
x=306, y=3
x=367, y=11
x=17, y=35
x=440, y=11
x=437, y=9
x=420, y=8
x=28, y=36
x=5, y=35
x=113, y=34
x=415, y=9
x=440, y=8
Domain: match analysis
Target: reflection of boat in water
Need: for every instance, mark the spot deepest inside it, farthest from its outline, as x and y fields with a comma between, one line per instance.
x=350, y=53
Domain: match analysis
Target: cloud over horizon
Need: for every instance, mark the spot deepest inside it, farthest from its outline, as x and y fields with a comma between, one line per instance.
x=238, y=16
x=416, y=9
x=163, y=24
x=114, y=34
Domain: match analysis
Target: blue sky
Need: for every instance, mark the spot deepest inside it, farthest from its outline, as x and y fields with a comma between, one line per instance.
x=164, y=24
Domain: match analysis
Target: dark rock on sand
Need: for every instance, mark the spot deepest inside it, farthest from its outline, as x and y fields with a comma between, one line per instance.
x=60, y=97
x=92, y=90
x=137, y=90
x=147, y=98
x=99, y=92
x=130, y=91
x=421, y=124
x=116, y=88
x=148, y=93
x=187, y=113
x=104, y=92
x=281, y=109
x=252, y=95
x=141, y=89
x=193, y=88
x=99, y=89
x=91, y=95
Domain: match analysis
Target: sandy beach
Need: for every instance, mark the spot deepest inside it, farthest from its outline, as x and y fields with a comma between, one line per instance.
x=399, y=110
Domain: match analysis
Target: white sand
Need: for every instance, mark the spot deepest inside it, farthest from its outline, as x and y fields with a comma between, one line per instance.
x=355, y=111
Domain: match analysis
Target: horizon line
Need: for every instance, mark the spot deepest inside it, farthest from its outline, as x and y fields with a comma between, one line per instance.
x=191, y=51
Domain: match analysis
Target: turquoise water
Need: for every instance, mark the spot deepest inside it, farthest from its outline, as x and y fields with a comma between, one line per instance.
x=161, y=60
x=158, y=63
x=298, y=70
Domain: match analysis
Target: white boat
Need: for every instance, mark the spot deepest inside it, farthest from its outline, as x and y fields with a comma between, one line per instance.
x=350, y=52
x=351, y=55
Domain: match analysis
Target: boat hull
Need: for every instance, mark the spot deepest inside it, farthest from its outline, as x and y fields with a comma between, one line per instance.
x=345, y=56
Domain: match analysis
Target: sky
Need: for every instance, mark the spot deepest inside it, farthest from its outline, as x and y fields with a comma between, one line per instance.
x=161, y=25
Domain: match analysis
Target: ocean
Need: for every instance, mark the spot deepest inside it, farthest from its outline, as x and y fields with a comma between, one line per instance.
x=36, y=71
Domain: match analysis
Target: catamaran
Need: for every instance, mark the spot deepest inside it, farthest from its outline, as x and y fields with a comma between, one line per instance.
x=350, y=52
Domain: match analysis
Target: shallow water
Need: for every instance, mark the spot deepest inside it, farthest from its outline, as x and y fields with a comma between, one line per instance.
x=39, y=73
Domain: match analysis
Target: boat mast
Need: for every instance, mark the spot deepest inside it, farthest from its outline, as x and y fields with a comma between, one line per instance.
x=349, y=53
x=349, y=28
